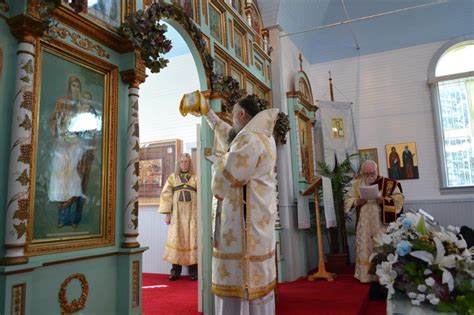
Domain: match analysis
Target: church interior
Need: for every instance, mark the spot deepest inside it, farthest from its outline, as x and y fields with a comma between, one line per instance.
x=370, y=151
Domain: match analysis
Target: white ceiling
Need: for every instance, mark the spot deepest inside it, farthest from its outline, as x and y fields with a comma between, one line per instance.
x=320, y=30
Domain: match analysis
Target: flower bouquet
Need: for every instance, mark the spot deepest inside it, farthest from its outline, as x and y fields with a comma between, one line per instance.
x=429, y=263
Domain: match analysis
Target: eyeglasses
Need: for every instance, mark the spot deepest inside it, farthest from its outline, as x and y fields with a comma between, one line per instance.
x=369, y=173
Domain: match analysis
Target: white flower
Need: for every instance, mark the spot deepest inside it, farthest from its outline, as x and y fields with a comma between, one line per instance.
x=453, y=229
x=415, y=302
x=420, y=297
x=466, y=254
x=412, y=295
x=448, y=279
x=430, y=296
x=392, y=258
x=386, y=275
x=434, y=301
x=382, y=239
x=422, y=288
x=429, y=281
x=441, y=260
x=427, y=272
x=461, y=243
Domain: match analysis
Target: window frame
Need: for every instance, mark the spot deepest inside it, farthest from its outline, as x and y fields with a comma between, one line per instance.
x=433, y=81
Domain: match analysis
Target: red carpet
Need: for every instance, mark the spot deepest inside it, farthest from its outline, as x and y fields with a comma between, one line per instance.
x=161, y=296
x=343, y=296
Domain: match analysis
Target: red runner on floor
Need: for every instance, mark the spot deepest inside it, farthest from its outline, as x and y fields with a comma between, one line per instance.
x=161, y=296
x=345, y=296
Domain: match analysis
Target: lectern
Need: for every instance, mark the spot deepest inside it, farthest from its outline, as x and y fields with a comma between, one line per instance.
x=321, y=273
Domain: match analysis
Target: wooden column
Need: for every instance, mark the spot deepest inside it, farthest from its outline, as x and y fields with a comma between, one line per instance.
x=134, y=77
x=26, y=29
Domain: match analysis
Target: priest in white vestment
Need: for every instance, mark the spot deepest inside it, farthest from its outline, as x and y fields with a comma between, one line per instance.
x=243, y=262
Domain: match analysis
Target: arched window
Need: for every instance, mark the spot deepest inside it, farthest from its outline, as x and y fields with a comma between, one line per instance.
x=451, y=78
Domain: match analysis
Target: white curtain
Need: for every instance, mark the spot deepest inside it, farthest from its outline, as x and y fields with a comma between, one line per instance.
x=338, y=142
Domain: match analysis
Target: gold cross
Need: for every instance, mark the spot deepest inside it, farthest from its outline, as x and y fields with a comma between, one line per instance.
x=263, y=221
x=242, y=142
x=257, y=277
x=229, y=237
x=242, y=160
x=223, y=271
x=235, y=203
x=260, y=189
x=253, y=244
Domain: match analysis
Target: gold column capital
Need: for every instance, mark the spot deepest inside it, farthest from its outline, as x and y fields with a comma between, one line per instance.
x=26, y=28
x=133, y=77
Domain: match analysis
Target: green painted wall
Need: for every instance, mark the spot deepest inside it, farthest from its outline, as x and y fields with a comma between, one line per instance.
x=108, y=270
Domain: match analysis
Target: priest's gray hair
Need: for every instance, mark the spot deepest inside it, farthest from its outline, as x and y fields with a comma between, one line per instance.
x=367, y=163
x=186, y=155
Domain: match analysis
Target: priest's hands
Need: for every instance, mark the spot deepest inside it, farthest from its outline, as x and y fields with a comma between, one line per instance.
x=167, y=219
x=379, y=200
x=360, y=202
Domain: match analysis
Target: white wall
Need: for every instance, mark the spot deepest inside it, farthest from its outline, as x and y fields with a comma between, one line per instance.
x=297, y=249
x=160, y=120
x=159, y=102
x=392, y=104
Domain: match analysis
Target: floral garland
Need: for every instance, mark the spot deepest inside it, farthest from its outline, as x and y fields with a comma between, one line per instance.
x=231, y=93
x=144, y=30
x=76, y=304
x=44, y=9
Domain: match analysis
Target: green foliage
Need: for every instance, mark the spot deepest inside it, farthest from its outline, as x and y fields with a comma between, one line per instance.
x=341, y=176
x=418, y=244
x=45, y=9
x=144, y=30
x=415, y=272
x=230, y=90
x=461, y=304
x=421, y=226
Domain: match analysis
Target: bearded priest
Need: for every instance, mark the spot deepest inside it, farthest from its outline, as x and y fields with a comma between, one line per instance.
x=373, y=215
x=243, y=262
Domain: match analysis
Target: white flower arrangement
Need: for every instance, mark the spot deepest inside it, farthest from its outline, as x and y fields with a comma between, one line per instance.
x=429, y=263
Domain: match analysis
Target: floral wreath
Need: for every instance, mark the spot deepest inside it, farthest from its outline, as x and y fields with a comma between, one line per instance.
x=76, y=304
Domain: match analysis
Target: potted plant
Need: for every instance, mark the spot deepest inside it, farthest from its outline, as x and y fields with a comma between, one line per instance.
x=341, y=177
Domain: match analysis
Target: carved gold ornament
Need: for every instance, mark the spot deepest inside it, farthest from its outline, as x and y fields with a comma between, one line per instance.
x=76, y=304
x=80, y=41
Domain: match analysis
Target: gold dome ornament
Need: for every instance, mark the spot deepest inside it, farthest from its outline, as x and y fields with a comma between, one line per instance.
x=193, y=103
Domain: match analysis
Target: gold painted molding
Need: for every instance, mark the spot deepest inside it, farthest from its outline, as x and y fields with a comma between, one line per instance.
x=90, y=29
x=133, y=77
x=80, y=41
x=26, y=28
x=106, y=237
x=18, y=299
x=309, y=106
x=136, y=284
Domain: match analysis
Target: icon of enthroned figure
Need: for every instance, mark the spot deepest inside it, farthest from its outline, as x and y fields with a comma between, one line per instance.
x=74, y=124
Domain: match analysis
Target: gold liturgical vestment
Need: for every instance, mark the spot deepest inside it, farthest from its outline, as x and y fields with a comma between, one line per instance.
x=178, y=198
x=372, y=220
x=243, y=262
